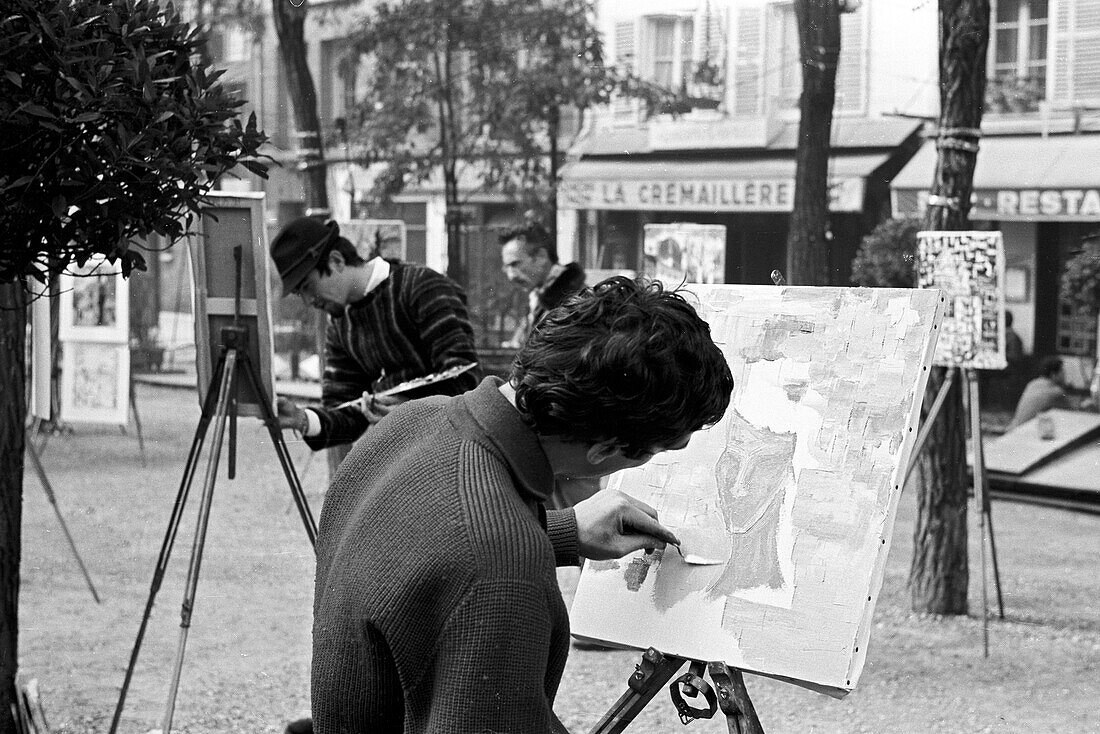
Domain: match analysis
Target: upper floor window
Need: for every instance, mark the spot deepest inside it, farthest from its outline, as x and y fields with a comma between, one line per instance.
x=670, y=41
x=1019, y=42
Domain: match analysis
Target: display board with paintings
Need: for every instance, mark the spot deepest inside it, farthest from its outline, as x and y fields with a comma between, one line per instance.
x=228, y=222
x=94, y=329
x=685, y=252
x=969, y=268
x=784, y=509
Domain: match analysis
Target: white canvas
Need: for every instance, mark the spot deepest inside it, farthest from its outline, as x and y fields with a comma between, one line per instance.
x=793, y=493
x=969, y=267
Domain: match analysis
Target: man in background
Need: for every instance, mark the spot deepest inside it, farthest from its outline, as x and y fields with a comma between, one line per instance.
x=530, y=260
x=1046, y=391
x=389, y=322
x=436, y=607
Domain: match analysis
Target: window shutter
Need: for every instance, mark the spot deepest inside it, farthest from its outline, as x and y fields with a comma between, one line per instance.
x=1076, y=75
x=749, y=61
x=712, y=46
x=625, y=109
x=851, y=72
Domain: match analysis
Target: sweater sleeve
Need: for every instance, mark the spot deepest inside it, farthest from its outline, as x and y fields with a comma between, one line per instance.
x=437, y=305
x=491, y=661
x=344, y=380
x=561, y=526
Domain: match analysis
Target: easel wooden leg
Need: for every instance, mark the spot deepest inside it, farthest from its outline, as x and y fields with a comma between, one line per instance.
x=137, y=422
x=981, y=499
x=733, y=699
x=650, y=676
x=48, y=489
x=655, y=670
x=926, y=428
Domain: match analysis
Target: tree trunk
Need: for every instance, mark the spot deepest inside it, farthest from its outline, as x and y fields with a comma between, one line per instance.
x=13, y=324
x=290, y=28
x=819, y=43
x=939, y=575
x=456, y=254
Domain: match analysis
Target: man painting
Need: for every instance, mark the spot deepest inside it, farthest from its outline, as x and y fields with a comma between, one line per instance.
x=388, y=322
x=437, y=607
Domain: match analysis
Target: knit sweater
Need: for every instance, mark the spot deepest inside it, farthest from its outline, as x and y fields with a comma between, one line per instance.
x=413, y=324
x=436, y=606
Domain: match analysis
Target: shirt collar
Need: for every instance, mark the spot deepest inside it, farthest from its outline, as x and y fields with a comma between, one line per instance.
x=501, y=424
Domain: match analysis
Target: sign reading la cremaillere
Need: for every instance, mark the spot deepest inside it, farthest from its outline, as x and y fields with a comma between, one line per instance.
x=747, y=195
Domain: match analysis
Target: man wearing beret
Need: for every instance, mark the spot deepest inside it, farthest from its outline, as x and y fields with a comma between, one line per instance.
x=389, y=322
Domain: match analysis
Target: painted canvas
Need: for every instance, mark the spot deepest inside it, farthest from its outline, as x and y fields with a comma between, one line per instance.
x=94, y=329
x=685, y=252
x=969, y=267
x=784, y=508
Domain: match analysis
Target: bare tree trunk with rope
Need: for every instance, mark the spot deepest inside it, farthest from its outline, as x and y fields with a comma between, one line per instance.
x=939, y=575
x=819, y=44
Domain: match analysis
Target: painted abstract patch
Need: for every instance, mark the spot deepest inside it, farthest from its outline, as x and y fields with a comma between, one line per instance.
x=785, y=507
x=969, y=268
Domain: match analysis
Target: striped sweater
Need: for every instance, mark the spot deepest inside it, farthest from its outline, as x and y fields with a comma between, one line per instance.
x=413, y=324
x=436, y=606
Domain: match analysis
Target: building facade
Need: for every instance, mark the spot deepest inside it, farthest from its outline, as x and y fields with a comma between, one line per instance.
x=726, y=154
x=1037, y=178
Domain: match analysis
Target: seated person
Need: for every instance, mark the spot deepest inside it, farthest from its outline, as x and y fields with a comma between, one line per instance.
x=437, y=607
x=1046, y=391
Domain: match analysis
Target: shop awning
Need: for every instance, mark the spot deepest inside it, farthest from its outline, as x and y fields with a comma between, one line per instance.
x=763, y=184
x=1019, y=178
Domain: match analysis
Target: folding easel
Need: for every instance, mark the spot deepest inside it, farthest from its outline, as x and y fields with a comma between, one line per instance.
x=728, y=694
x=219, y=406
x=972, y=406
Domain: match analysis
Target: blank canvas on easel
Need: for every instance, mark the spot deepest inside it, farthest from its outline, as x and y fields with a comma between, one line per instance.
x=793, y=493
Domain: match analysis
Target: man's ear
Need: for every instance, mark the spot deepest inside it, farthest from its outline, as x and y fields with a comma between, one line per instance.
x=336, y=260
x=602, y=450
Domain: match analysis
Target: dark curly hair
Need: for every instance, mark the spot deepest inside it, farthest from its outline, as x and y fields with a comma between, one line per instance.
x=626, y=361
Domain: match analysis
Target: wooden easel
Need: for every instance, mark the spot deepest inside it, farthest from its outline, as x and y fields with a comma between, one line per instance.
x=728, y=694
x=972, y=406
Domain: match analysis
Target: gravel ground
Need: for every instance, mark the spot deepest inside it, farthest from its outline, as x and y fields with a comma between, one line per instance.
x=246, y=667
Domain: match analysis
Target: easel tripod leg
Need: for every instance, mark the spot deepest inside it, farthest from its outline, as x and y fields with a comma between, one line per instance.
x=652, y=674
x=45, y=481
x=169, y=539
x=733, y=699
x=281, y=450
x=993, y=555
x=191, y=585
x=973, y=406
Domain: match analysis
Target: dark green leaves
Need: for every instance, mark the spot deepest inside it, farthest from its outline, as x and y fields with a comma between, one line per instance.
x=109, y=130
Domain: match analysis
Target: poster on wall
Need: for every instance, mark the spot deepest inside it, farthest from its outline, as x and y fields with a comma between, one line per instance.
x=969, y=267
x=94, y=330
x=685, y=252
x=382, y=237
x=786, y=507
x=231, y=224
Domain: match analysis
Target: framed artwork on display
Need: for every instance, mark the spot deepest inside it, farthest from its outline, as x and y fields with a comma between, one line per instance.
x=94, y=329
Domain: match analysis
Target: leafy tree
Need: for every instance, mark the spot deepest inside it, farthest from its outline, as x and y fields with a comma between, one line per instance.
x=819, y=49
x=111, y=131
x=887, y=256
x=475, y=89
x=939, y=574
x=1080, y=283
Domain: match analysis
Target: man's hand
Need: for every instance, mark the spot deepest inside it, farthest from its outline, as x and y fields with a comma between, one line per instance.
x=611, y=524
x=289, y=414
x=377, y=407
